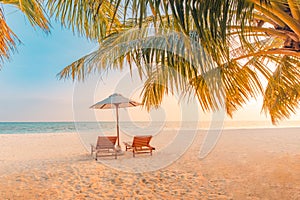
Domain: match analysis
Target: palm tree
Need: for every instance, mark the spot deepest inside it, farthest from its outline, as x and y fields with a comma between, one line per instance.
x=93, y=19
x=34, y=12
x=241, y=44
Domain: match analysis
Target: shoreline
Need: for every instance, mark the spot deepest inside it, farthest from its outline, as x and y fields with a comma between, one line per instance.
x=162, y=130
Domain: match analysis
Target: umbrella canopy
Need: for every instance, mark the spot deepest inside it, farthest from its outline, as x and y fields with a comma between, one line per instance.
x=115, y=101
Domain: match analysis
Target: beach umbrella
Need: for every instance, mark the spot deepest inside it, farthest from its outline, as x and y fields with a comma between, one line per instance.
x=115, y=101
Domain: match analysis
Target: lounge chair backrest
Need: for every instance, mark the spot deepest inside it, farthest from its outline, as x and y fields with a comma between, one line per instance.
x=140, y=141
x=105, y=142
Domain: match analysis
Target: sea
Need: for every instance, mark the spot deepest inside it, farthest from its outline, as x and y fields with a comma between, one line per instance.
x=108, y=126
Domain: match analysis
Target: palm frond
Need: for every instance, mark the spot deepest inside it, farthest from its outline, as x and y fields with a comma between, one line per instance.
x=92, y=19
x=282, y=94
x=221, y=51
x=34, y=12
x=8, y=39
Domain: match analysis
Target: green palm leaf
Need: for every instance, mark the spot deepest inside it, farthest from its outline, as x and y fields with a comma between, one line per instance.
x=33, y=10
x=222, y=54
x=36, y=15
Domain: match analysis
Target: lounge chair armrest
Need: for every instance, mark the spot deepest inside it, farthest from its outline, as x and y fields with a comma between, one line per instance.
x=128, y=144
x=153, y=148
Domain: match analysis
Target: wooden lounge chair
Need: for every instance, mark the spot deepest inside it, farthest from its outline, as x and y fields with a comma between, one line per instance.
x=140, y=144
x=105, y=147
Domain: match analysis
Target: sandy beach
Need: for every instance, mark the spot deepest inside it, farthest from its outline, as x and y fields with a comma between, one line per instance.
x=245, y=164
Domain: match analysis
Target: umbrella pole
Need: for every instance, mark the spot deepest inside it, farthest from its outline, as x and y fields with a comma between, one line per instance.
x=117, y=113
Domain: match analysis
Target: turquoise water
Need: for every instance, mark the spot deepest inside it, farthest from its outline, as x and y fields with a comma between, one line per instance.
x=36, y=127
x=69, y=127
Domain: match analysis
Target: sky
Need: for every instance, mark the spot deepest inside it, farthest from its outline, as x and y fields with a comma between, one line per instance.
x=31, y=91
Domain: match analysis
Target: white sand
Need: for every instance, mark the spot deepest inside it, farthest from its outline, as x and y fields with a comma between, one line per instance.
x=245, y=164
